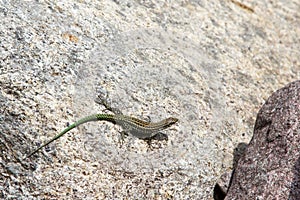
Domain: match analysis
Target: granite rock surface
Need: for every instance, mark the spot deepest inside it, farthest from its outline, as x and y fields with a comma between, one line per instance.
x=270, y=167
x=212, y=64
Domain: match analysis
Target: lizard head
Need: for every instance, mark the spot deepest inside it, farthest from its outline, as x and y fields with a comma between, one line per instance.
x=170, y=121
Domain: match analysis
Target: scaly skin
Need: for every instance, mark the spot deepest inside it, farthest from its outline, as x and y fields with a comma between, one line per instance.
x=138, y=128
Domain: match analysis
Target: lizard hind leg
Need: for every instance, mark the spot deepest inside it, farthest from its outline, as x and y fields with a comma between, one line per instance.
x=104, y=102
x=123, y=135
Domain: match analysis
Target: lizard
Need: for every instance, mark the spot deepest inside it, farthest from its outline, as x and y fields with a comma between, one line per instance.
x=136, y=127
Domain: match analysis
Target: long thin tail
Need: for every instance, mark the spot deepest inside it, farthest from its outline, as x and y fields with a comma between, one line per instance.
x=81, y=121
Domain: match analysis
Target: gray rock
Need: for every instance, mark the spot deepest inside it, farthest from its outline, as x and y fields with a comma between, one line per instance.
x=208, y=63
x=270, y=167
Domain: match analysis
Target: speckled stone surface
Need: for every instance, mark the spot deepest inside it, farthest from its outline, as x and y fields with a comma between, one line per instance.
x=270, y=167
x=211, y=64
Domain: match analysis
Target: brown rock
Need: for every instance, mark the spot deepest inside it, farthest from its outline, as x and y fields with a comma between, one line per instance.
x=270, y=167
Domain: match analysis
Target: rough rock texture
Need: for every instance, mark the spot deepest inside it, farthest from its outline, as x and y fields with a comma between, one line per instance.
x=211, y=64
x=270, y=167
x=222, y=184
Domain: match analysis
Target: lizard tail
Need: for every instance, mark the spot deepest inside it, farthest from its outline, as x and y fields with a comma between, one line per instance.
x=81, y=121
